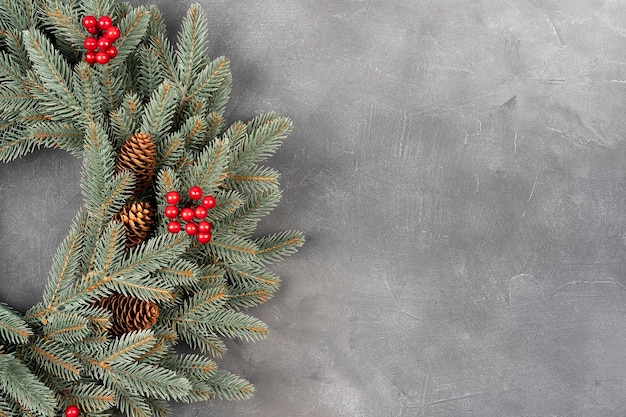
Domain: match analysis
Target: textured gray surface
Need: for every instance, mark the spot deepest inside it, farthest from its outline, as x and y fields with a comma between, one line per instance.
x=458, y=168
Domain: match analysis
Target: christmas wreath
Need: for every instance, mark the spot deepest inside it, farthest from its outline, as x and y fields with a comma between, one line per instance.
x=163, y=252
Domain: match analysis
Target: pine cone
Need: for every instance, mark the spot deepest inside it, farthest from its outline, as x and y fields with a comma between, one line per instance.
x=138, y=155
x=129, y=314
x=138, y=219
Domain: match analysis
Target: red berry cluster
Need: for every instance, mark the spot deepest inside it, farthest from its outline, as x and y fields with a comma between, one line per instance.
x=201, y=230
x=100, y=46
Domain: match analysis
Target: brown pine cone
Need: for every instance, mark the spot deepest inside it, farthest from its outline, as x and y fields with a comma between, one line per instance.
x=129, y=314
x=138, y=155
x=138, y=219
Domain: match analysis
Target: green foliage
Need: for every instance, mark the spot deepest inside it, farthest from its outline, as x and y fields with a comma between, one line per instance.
x=60, y=351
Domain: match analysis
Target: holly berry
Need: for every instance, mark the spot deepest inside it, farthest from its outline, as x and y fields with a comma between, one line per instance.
x=112, y=51
x=90, y=57
x=104, y=23
x=203, y=238
x=204, y=227
x=113, y=33
x=171, y=212
x=208, y=202
x=89, y=22
x=72, y=411
x=93, y=30
x=90, y=44
x=172, y=197
x=102, y=57
x=191, y=228
x=195, y=193
x=173, y=227
x=104, y=43
x=200, y=212
x=187, y=214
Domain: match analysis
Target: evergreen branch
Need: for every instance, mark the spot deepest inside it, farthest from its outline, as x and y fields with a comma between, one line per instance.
x=125, y=120
x=242, y=298
x=264, y=135
x=90, y=397
x=253, y=179
x=201, y=339
x=148, y=380
x=57, y=135
x=88, y=92
x=97, y=7
x=150, y=72
x=13, y=328
x=245, y=218
x=158, y=407
x=133, y=28
x=198, y=306
x=275, y=247
x=208, y=171
x=191, y=44
x=51, y=68
x=180, y=273
x=66, y=328
x=65, y=23
x=15, y=46
x=110, y=248
x=231, y=248
x=19, y=384
x=170, y=150
x=250, y=274
x=210, y=79
x=125, y=349
x=159, y=112
x=228, y=386
x=191, y=365
x=53, y=358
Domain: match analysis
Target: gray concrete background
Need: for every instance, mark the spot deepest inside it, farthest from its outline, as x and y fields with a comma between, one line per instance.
x=458, y=168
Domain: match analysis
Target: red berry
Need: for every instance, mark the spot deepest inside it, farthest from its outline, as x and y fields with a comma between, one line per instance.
x=113, y=33
x=89, y=22
x=208, y=202
x=195, y=193
x=102, y=57
x=173, y=227
x=203, y=238
x=104, y=23
x=93, y=30
x=104, y=43
x=204, y=227
x=112, y=51
x=72, y=411
x=90, y=44
x=191, y=228
x=90, y=57
x=187, y=214
x=171, y=212
x=200, y=212
x=172, y=197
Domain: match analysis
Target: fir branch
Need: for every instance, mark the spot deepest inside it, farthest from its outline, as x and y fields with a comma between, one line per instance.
x=150, y=72
x=275, y=247
x=88, y=92
x=159, y=112
x=147, y=380
x=125, y=120
x=170, y=150
x=133, y=28
x=208, y=171
x=13, y=328
x=264, y=135
x=66, y=328
x=97, y=7
x=51, y=68
x=229, y=386
x=57, y=135
x=111, y=83
x=191, y=43
x=65, y=23
x=55, y=359
x=210, y=79
x=231, y=248
x=90, y=397
x=19, y=384
x=180, y=273
x=202, y=339
x=245, y=218
x=253, y=179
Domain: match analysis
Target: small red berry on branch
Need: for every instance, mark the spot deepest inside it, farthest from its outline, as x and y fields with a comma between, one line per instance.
x=102, y=57
x=203, y=238
x=90, y=57
x=171, y=212
x=172, y=197
x=204, y=227
x=89, y=22
x=113, y=33
x=104, y=22
x=173, y=227
x=191, y=228
x=200, y=212
x=104, y=43
x=195, y=193
x=90, y=44
x=112, y=51
x=72, y=411
x=208, y=202
x=187, y=214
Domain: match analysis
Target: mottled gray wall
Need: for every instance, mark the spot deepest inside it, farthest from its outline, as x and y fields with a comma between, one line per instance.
x=459, y=169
